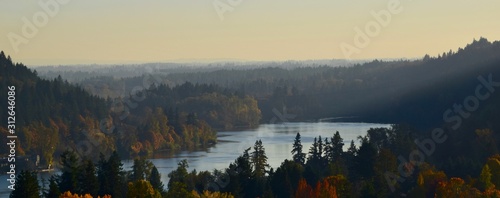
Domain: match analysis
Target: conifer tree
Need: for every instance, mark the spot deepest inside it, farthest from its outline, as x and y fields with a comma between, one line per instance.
x=70, y=172
x=26, y=186
x=111, y=176
x=259, y=160
x=334, y=150
x=155, y=180
x=298, y=155
x=87, y=181
x=53, y=191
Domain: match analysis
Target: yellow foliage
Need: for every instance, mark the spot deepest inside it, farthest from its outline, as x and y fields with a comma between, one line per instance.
x=456, y=187
x=208, y=194
x=142, y=189
x=68, y=194
x=494, y=165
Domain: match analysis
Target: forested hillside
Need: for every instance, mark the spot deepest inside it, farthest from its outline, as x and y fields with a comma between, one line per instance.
x=53, y=116
x=443, y=143
x=50, y=114
x=415, y=92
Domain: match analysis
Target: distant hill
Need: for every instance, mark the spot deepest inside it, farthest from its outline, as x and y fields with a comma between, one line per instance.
x=53, y=116
x=49, y=114
x=79, y=73
x=411, y=91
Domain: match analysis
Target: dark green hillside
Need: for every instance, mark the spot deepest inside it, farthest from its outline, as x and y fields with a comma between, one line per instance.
x=53, y=116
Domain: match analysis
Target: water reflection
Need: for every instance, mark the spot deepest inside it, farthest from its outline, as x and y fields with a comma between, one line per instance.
x=276, y=138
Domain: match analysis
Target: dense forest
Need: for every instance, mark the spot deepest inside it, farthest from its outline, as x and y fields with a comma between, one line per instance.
x=443, y=142
x=416, y=92
x=326, y=170
x=375, y=169
x=53, y=116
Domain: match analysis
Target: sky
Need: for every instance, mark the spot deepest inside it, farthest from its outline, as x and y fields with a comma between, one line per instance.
x=61, y=32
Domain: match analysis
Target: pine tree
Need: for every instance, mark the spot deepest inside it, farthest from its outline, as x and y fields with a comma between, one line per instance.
x=179, y=175
x=70, y=172
x=320, y=148
x=111, y=176
x=334, y=150
x=328, y=153
x=138, y=170
x=298, y=155
x=155, y=180
x=87, y=181
x=240, y=173
x=26, y=186
x=259, y=160
x=104, y=182
x=314, y=154
x=352, y=150
x=53, y=191
x=365, y=159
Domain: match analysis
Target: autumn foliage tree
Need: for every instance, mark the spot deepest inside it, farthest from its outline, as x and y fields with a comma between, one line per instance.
x=456, y=187
x=68, y=194
x=323, y=189
x=304, y=190
x=142, y=189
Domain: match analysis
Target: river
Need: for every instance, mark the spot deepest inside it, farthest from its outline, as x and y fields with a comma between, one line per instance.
x=276, y=138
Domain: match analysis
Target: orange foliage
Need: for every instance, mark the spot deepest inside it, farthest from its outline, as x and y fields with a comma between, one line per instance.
x=136, y=148
x=303, y=190
x=68, y=194
x=456, y=188
x=429, y=179
x=492, y=193
x=323, y=190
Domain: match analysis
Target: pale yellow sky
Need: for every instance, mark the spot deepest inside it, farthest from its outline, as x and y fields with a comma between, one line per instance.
x=127, y=31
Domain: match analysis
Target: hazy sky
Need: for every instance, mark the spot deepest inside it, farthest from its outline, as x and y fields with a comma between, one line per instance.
x=126, y=31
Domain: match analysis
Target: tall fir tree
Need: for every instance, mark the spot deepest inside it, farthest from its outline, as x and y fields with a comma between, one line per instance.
x=314, y=153
x=334, y=149
x=111, y=176
x=26, y=186
x=70, y=172
x=87, y=180
x=240, y=173
x=53, y=191
x=352, y=150
x=179, y=175
x=138, y=170
x=155, y=180
x=259, y=160
x=298, y=155
x=320, y=148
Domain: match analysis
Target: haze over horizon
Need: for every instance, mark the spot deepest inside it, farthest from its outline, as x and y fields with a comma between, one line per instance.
x=115, y=32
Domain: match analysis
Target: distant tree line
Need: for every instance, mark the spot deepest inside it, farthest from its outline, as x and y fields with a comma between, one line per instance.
x=53, y=116
x=416, y=92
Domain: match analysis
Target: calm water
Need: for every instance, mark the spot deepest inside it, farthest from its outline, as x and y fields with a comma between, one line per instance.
x=276, y=138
